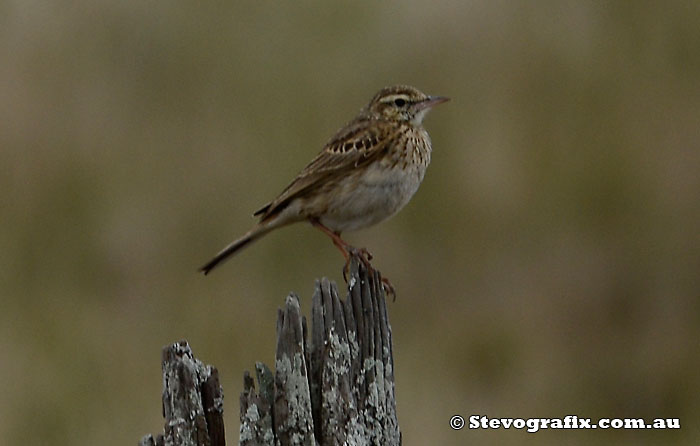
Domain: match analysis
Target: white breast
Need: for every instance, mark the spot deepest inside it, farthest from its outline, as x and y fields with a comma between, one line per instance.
x=377, y=195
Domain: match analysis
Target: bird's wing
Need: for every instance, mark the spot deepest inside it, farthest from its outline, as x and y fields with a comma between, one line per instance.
x=352, y=147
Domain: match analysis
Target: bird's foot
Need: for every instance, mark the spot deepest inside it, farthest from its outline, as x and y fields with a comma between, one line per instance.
x=362, y=255
x=389, y=288
x=365, y=257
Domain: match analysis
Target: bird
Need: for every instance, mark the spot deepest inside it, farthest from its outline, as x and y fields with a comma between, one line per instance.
x=366, y=173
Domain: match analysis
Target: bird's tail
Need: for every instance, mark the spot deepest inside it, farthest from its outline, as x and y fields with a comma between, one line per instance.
x=258, y=231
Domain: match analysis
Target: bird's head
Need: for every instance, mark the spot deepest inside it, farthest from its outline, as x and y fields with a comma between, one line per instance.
x=402, y=103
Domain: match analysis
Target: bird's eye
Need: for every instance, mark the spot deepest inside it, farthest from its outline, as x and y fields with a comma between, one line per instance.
x=400, y=102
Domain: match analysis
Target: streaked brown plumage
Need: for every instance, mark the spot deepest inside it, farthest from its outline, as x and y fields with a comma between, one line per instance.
x=366, y=173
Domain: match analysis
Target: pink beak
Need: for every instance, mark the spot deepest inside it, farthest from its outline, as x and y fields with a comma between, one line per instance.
x=431, y=102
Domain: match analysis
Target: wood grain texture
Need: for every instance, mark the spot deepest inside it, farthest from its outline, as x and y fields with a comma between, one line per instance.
x=334, y=387
x=192, y=401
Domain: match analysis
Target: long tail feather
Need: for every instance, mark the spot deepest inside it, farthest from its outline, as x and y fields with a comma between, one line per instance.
x=237, y=245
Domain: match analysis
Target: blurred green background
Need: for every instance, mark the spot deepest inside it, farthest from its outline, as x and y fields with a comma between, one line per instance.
x=548, y=266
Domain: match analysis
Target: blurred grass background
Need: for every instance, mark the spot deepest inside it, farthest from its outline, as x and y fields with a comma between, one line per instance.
x=548, y=266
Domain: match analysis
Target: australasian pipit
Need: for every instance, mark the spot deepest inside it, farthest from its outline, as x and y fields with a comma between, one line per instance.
x=366, y=173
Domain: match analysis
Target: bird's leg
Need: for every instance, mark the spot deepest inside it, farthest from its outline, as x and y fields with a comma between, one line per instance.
x=345, y=248
x=341, y=244
x=349, y=251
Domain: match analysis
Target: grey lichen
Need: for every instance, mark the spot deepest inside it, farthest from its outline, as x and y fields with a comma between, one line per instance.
x=338, y=389
x=296, y=391
x=192, y=400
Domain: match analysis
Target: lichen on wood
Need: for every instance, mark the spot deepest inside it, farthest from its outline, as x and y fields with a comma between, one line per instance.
x=192, y=401
x=333, y=388
x=336, y=388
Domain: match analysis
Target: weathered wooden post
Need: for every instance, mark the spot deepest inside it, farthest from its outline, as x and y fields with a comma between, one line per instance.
x=192, y=401
x=332, y=389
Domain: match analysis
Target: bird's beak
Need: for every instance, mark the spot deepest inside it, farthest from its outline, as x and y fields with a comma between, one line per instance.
x=431, y=102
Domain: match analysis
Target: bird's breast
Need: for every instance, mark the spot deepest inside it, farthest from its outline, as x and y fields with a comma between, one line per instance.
x=376, y=191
